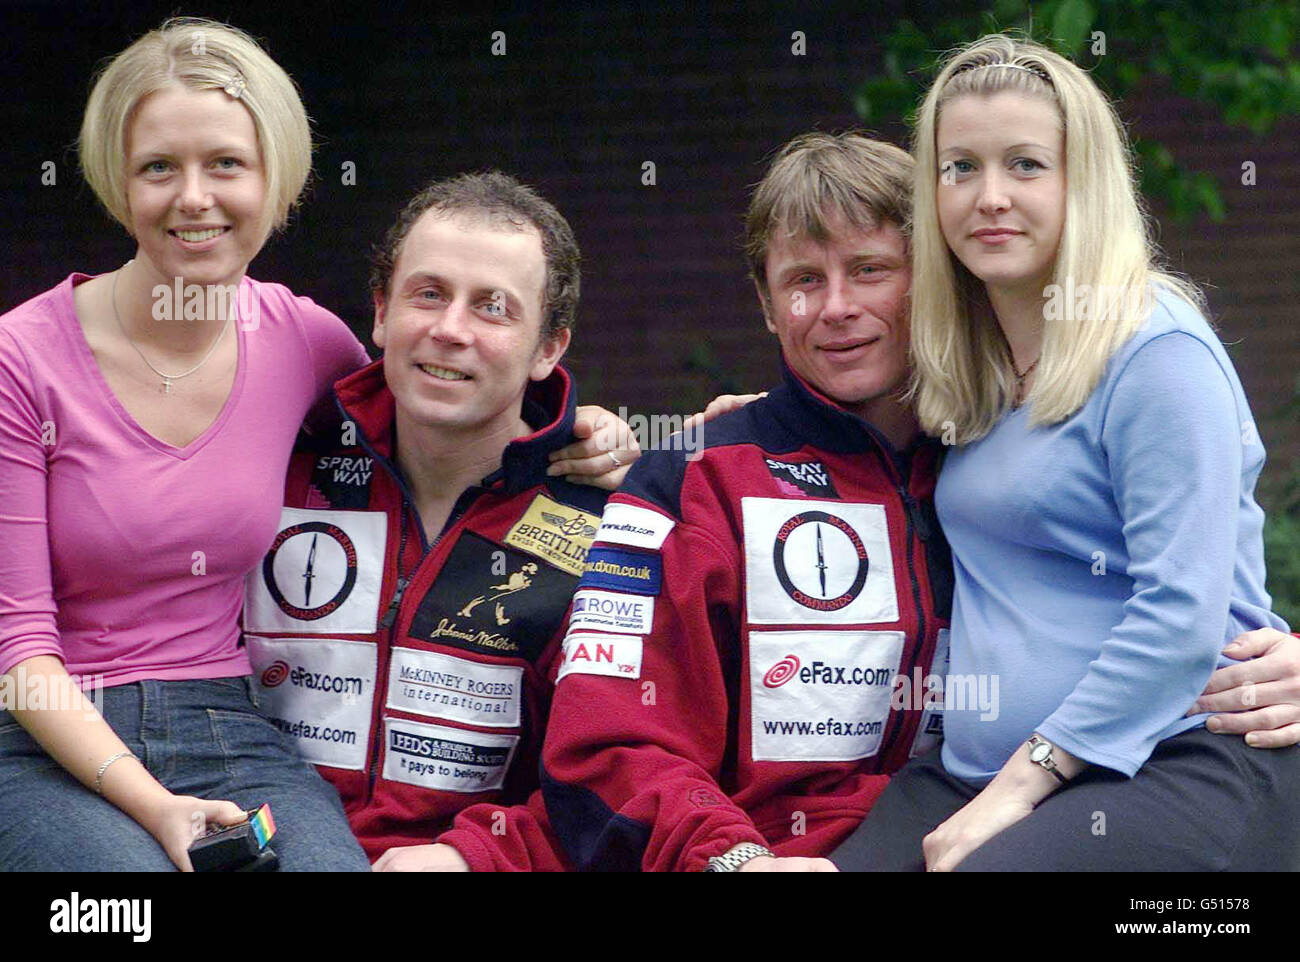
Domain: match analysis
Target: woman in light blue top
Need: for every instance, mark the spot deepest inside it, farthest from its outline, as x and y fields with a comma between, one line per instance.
x=1098, y=499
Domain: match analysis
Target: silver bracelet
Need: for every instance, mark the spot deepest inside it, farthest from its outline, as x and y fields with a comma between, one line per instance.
x=99, y=775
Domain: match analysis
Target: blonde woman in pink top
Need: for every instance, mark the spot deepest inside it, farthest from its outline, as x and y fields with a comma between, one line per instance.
x=142, y=448
x=146, y=421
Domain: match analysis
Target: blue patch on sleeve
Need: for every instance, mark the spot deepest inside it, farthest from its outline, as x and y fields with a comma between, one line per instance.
x=621, y=570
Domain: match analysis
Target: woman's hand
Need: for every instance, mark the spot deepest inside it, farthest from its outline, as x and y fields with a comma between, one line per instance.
x=603, y=454
x=722, y=404
x=1262, y=693
x=1006, y=800
x=987, y=814
x=177, y=820
x=421, y=858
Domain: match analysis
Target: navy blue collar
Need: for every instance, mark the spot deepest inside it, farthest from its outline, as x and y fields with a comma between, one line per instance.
x=822, y=422
x=549, y=408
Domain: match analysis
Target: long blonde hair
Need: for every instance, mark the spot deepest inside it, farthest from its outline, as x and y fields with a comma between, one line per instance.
x=962, y=375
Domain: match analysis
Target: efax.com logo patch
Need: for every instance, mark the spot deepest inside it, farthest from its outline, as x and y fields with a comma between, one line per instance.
x=278, y=672
x=822, y=673
x=275, y=674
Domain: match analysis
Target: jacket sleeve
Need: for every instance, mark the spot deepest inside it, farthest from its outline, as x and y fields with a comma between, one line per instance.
x=506, y=838
x=639, y=726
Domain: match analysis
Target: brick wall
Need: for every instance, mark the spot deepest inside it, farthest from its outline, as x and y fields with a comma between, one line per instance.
x=580, y=101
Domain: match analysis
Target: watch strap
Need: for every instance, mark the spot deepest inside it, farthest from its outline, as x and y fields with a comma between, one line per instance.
x=736, y=856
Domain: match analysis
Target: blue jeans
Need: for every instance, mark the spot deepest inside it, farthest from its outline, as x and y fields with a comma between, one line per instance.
x=203, y=738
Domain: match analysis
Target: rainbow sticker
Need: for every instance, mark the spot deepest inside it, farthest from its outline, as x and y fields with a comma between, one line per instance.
x=263, y=825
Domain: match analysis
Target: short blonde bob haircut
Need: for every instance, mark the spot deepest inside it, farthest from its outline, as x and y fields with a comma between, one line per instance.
x=963, y=379
x=201, y=55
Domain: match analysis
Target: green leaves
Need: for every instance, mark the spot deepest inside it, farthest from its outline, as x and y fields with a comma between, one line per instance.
x=1187, y=193
x=884, y=99
x=1270, y=25
x=894, y=94
x=1071, y=24
x=1279, y=495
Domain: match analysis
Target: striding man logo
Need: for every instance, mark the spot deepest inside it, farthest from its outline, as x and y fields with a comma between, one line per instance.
x=492, y=599
x=519, y=581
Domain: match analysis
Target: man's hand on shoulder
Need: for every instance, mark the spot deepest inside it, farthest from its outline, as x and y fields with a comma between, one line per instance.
x=603, y=453
x=720, y=405
x=1261, y=695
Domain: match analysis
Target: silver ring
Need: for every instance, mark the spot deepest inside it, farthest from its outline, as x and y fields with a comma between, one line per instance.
x=617, y=462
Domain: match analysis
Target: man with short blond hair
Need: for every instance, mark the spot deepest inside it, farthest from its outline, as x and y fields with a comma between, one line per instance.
x=726, y=690
x=751, y=658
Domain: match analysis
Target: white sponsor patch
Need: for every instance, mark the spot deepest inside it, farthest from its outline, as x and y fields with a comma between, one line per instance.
x=319, y=692
x=445, y=759
x=615, y=655
x=628, y=524
x=817, y=562
x=442, y=686
x=322, y=575
x=930, y=731
x=612, y=611
x=820, y=695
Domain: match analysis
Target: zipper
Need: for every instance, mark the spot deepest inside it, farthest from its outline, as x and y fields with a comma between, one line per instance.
x=915, y=514
x=390, y=615
x=377, y=723
x=466, y=498
x=916, y=526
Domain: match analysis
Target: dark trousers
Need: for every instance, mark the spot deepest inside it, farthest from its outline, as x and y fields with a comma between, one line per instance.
x=1202, y=802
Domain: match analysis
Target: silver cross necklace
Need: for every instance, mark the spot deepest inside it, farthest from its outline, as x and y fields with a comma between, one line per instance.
x=167, y=379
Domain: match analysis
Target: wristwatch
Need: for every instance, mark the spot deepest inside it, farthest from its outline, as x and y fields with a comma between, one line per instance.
x=732, y=859
x=1040, y=753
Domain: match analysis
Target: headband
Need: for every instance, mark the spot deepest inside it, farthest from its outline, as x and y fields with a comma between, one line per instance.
x=1038, y=72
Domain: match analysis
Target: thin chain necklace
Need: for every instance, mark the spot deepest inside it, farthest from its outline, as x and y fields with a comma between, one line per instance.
x=1020, y=379
x=167, y=379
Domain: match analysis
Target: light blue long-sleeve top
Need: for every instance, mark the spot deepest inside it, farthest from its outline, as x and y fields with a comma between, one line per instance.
x=1103, y=562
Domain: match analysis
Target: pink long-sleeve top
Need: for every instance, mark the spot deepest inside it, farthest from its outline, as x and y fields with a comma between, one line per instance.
x=119, y=553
